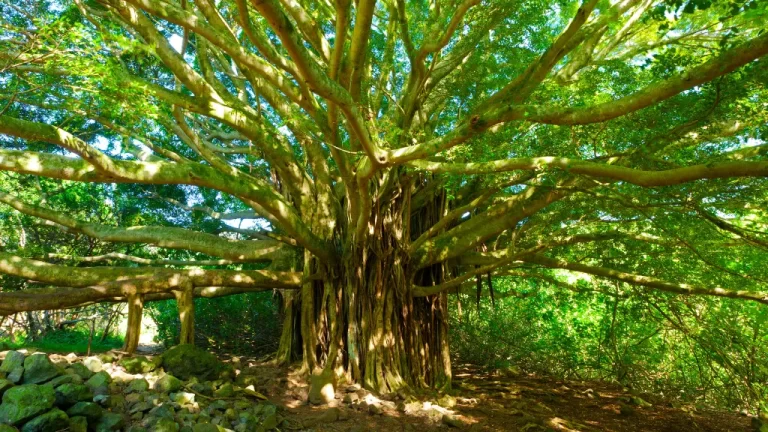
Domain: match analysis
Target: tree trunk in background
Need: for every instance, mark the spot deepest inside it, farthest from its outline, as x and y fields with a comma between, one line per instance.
x=133, y=332
x=186, y=303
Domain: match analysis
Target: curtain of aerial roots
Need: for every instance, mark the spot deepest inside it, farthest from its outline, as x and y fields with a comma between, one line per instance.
x=361, y=320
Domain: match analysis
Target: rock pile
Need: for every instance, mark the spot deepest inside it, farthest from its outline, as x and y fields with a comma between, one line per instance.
x=185, y=390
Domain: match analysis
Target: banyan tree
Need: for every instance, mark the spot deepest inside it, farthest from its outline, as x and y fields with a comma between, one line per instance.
x=384, y=156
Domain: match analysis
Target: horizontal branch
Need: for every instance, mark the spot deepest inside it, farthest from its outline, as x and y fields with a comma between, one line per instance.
x=647, y=281
x=167, y=237
x=116, y=256
x=638, y=177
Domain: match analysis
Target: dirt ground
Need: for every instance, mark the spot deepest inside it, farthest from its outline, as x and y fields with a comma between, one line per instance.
x=489, y=402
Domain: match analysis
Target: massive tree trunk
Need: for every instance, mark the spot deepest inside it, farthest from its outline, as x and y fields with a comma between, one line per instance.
x=361, y=319
x=133, y=330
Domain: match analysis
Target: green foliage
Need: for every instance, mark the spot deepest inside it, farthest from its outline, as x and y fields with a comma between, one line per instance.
x=698, y=351
x=66, y=341
x=240, y=323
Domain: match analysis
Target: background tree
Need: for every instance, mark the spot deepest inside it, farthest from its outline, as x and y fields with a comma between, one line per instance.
x=385, y=154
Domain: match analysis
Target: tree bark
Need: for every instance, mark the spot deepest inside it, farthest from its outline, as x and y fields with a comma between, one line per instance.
x=133, y=332
x=185, y=302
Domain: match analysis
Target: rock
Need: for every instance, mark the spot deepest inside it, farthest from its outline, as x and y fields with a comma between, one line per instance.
x=270, y=421
x=166, y=425
x=183, y=398
x=24, y=402
x=78, y=424
x=351, y=398
x=101, y=399
x=39, y=369
x=63, y=379
x=100, y=379
x=107, y=357
x=375, y=409
x=4, y=386
x=13, y=359
x=637, y=400
x=225, y=391
x=53, y=420
x=93, y=364
x=15, y=375
x=140, y=407
x=328, y=416
x=70, y=394
x=137, y=386
x=82, y=371
x=186, y=361
x=447, y=401
x=139, y=364
x=167, y=384
x=206, y=427
x=202, y=388
x=109, y=422
x=321, y=387
x=89, y=410
x=452, y=421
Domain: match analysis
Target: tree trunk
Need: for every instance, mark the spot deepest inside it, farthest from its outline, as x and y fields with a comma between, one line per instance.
x=186, y=303
x=133, y=332
x=361, y=319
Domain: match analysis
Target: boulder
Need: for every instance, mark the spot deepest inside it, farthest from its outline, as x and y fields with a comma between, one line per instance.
x=39, y=369
x=137, y=386
x=15, y=375
x=452, y=421
x=89, y=410
x=64, y=379
x=25, y=402
x=81, y=371
x=78, y=424
x=53, y=420
x=4, y=386
x=322, y=387
x=13, y=359
x=101, y=379
x=167, y=384
x=109, y=422
x=70, y=394
x=93, y=364
x=186, y=361
x=139, y=364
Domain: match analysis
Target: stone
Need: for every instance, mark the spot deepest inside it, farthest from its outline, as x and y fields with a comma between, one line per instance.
x=168, y=383
x=63, y=379
x=186, y=361
x=447, y=401
x=139, y=364
x=53, y=420
x=94, y=364
x=206, y=427
x=100, y=379
x=13, y=359
x=15, y=375
x=81, y=371
x=4, y=386
x=322, y=387
x=39, y=369
x=202, y=388
x=109, y=422
x=166, y=425
x=351, y=398
x=140, y=407
x=107, y=357
x=637, y=400
x=24, y=402
x=70, y=394
x=78, y=424
x=89, y=410
x=101, y=399
x=452, y=421
x=270, y=422
x=328, y=416
x=137, y=386
x=183, y=398
x=225, y=391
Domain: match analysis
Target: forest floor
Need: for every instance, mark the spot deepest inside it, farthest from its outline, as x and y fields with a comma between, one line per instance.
x=490, y=402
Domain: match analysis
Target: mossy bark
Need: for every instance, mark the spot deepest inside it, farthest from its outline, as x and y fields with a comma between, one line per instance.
x=186, y=305
x=133, y=332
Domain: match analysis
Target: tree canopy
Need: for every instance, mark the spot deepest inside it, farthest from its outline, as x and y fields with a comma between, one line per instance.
x=369, y=158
